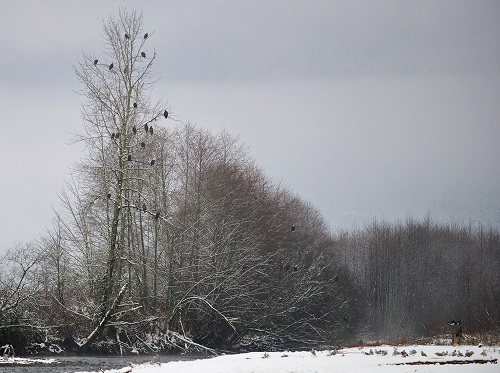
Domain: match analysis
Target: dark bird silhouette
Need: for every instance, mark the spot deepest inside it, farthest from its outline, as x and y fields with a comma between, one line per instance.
x=143, y=54
x=146, y=127
x=146, y=35
x=295, y=268
x=129, y=158
x=157, y=216
x=134, y=130
x=95, y=62
x=112, y=136
x=293, y=227
x=117, y=135
x=453, y=322
x=165, y=114
x=143, y=145
x=127, y=37
x=151, y=130
x=109, y=195
x=144, y=207
x=152, y=162
x=135, y=104
x=111, y=66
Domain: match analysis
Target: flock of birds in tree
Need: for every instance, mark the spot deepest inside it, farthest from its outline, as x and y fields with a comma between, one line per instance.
x=127, y=36
x=147, y=128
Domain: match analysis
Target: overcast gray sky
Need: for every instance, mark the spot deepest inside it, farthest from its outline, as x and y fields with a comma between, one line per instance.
x=364, y=108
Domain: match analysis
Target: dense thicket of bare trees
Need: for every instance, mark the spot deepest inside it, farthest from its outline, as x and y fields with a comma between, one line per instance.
x=204, y=249
x=170, y=236
x=416, y=276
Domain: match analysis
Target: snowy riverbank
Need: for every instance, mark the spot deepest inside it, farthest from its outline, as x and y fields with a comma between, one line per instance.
x=417, y=358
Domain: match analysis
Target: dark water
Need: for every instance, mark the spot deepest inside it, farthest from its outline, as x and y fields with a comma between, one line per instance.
x=73, y=364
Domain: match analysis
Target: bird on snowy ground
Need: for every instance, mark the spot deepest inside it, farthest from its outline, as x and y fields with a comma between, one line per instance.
x=8, y=351
x=313, y=352
x=423, y=353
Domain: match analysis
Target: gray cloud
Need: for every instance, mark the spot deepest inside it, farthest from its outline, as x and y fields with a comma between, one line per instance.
x=363, y=107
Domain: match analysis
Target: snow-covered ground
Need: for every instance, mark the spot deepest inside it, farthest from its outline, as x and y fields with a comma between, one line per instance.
x=419, y=359
x=25, y=361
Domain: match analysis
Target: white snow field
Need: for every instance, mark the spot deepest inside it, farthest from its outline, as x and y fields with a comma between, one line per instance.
x=456, y=359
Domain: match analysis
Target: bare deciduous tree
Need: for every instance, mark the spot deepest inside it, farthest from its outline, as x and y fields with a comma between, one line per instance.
x=119, y=125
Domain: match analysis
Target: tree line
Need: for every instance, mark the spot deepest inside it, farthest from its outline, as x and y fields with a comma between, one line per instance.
x=171, y=237
x=415, y=276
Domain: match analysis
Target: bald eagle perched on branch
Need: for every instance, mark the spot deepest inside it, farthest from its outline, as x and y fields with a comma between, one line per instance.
x=146, y=35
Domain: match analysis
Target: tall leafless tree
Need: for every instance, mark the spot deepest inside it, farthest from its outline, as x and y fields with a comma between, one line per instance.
x=118, y=132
